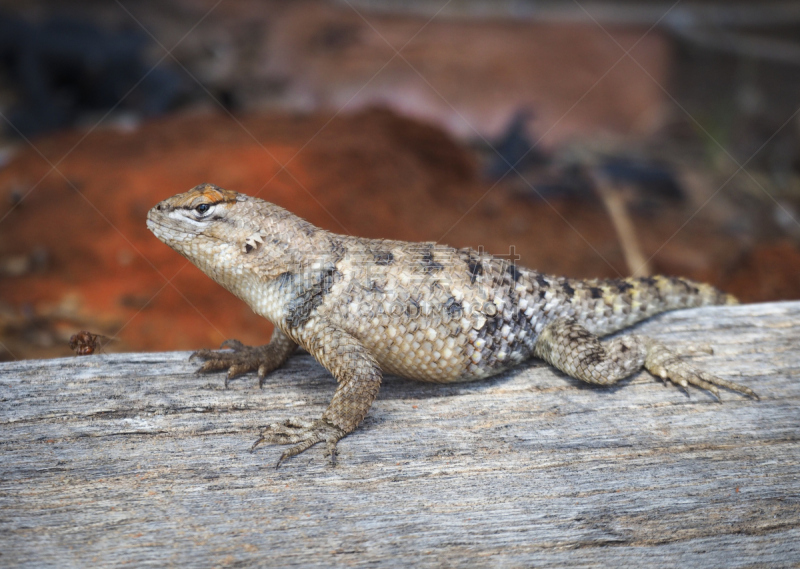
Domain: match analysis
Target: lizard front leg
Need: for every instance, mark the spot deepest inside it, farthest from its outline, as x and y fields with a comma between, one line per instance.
x=570, y=347
x=359, y=378
x=243, y=358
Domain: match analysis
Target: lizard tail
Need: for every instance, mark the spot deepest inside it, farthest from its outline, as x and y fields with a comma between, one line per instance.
x=706, y=294
x=676, y=292
x=615, y=304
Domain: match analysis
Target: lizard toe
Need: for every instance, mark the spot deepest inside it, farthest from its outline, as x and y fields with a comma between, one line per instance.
x=303, y=435
x=240, y=360
x=202, y=354
x=665, y=363
x=693, y=349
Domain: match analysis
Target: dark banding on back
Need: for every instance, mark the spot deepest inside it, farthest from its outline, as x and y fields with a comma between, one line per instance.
x=384, y=258
x=428, y=263
x=513, y=271
x=474, y=269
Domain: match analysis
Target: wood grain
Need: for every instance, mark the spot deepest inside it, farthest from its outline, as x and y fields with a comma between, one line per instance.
x=134, y=459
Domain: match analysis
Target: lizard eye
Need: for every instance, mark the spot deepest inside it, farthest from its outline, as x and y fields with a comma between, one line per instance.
x=203, y=210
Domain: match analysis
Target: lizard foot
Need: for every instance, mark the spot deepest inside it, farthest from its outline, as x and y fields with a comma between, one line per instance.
x=241, y=360
x=667, y=365
x=302, y=434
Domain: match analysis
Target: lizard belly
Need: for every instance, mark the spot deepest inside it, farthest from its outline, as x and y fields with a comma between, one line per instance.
x=437, y=347
x=429, y=350
x=418, y=351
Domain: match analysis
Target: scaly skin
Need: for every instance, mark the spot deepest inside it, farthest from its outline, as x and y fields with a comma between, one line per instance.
x=424, y=311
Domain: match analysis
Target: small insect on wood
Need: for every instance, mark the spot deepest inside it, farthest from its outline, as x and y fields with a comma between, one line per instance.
x=85, y=343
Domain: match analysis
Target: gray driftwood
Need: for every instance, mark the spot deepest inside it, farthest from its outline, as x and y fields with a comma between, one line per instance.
x=133, y=459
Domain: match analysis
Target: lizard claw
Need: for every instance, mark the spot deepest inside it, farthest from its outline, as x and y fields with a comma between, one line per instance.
x=303, y=435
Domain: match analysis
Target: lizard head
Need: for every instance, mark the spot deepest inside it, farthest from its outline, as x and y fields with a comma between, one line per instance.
x=207, y=224
x=194, y=218
x=222, y=231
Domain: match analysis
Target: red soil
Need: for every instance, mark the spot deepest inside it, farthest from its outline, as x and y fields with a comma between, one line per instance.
x=372, y=174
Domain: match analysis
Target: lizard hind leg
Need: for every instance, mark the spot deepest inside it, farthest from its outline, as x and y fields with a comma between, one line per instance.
x=568, y=346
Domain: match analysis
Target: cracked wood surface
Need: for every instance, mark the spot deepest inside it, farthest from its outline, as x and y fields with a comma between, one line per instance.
x=132, y=458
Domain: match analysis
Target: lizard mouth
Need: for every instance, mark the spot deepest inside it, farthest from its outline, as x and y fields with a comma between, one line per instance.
x=152, y=224
x=156, y=224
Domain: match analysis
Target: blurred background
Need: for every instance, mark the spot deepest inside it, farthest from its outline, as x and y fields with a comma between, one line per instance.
x=590, y=139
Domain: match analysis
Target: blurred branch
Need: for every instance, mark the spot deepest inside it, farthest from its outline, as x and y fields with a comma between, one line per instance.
x=743, y=44
x=616, y=205
x=718, y=14
x=707, y=24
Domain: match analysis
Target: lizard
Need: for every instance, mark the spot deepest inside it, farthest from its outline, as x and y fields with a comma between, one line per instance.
x=425, y=311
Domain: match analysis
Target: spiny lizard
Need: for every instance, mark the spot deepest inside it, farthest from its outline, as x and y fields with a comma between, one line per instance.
x=364, y=307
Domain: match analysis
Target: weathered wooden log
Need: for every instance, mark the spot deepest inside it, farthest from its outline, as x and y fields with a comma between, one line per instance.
x=134, y=459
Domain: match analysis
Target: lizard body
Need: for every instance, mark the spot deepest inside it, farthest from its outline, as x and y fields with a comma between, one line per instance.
x=424, y=311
